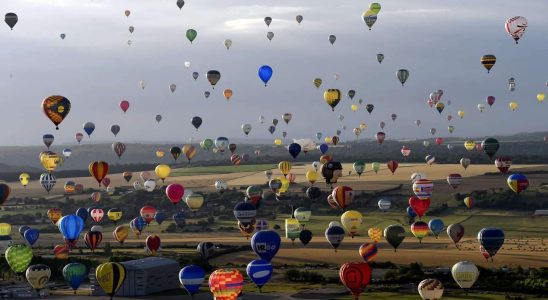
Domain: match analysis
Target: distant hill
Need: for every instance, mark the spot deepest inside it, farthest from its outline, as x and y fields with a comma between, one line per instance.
x=523, y=148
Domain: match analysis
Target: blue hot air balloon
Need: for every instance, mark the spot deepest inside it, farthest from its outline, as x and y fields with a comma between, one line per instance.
x=70, y=227
x=160, y=217
x=74, y=274
x=89, y=127
x=191, y=277
x=271, y=129
x=436, y=226
x=82, y=212
x=139, y=223
x=411, y=213
x=265, y=73
x=294, y=149
x=324, y=148
x=491, y=239
x=31, y=235
x=245, y=212
x=259, y=271
x=22, y=230
x=179, y=219
x=266, y=244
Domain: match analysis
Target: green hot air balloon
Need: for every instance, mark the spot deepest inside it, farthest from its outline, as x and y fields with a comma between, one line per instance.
x=375, y=166
x=191, y=35
x=18, y=257
x=359, y=167
x=394, y=235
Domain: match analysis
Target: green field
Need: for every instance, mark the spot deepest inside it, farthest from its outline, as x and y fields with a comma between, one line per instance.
x=221, y=170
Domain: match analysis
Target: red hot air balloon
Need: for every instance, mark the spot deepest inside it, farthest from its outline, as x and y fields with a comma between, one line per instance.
x=147, y=213
x=419, y=206
x=226, y=284
x=490, y=100
x=454, y=180
x=175, y=192
x=355, y=276
x=380, y=136
x=99, y=170
x=392, y=166
x=124, y=105
x=503, y=163
x=439, y=141
x=342, y=196
x=153, y=243
x=97, y=214
x=79, y=137
x=93, y=239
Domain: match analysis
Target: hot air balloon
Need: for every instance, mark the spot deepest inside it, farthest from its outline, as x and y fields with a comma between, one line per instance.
x=114, y=214
x=343, y=196
x=491, y=239
x=465, y=162
x=55, y=107
x=352, y=221
x=419, y=206
x=335, y=236
x=454, y=180
x=266, y=244
x=503, y=163
x=98, y=170
x=488, y=61
x=196, y=122
x=513, y=105
x=355, y=276
x=110, y=276
x=380, y=57
x=158, y=118
x=70, y=227
x=31, y=236
x=47, y=180
x=423, y=188
x=153, y=243
x=93, y=239
x=213, y=76
x=517, y=183
x=436, y=226
x=74, y=274
x=294, y=149
x=118, y=148
x=392, y=166
x=332, y=39
x=226, y=283
x=368, y=252
x=430, y=289
x=191, y=278
x=490, y=146
x=18, y=257
x=465, y=274
x=38, y=276
x=402, y=75
x=369, y=17
x=175, y=152
x=96, y=214
x=24, y=178
x=191, y=35
x=455, y=232
x=54, y=214
x=265, y=73
x=384, y=204
x=405, y=151
x=175, y=192
x=332, y=97
x=420, y=230
x=394, y=235
x=516, y=27
x=11, y=19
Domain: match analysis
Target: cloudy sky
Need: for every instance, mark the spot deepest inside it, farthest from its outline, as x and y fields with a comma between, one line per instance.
x=439, y=42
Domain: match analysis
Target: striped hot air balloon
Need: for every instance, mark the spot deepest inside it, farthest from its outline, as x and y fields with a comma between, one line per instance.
x=454, y=180
x=93, y=239
x=368, y=252
x=420, y=230
x=48, y=180
x=110, y=276
x=342, y=195
x=191, y=277
x=423, y=188
x=488, y=61
x=99, y=170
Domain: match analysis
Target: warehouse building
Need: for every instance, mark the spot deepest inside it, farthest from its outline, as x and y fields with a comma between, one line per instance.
x=149, y=275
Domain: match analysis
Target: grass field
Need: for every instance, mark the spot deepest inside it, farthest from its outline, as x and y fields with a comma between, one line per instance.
x=221, y=170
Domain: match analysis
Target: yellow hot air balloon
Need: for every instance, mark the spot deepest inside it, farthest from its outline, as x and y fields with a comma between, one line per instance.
x=311, y=176
x=5, y=229
x=110, y=277
x=162, y=171
x=160, y=153
x=227, y=93
x=120, y=233
x=24, y=178
x=285, y=185
x=375, y=234
x=50, y=160
x=317, y=82
x=461, y=113
x=470, y=145
x=278, y=142
x=354, y=107
x=352, y=221
x=332, y=97
x=540, y=97
x=363, y=126
x=194, y=201
x=513, y=105
x=328, y=140
x=284, y=167
x=114, y=214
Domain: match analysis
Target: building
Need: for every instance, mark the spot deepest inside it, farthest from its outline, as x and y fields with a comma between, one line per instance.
x=149, y=275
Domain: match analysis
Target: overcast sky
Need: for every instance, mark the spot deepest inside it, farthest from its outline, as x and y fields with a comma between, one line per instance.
x=439, y=42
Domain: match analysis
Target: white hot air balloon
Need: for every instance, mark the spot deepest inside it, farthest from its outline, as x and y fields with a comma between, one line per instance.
x=465, y=274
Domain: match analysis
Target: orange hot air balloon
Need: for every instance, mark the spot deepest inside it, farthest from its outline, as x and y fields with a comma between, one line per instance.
x=61, y=251
x=99, y=170
x=227, y=93
x=392, y=166
x=56, y=109
x=342, y=196
x=226, y=284
x=54, y=214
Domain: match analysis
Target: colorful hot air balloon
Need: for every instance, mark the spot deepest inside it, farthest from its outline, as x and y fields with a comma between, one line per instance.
x=503, y=163
x=56, y=108
x=93, y=239
x=368, y=252
x=343, y=196
x=488, y=61
x=454, y=180
x=332, y=97
x=54, y=214
x=375, y=234
x=98, y=170
x=226, y=284
x=355, y=276
x=517, y=183
x=423, y=188
x=74, y=274
x=110, y=276
x=420, y=230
